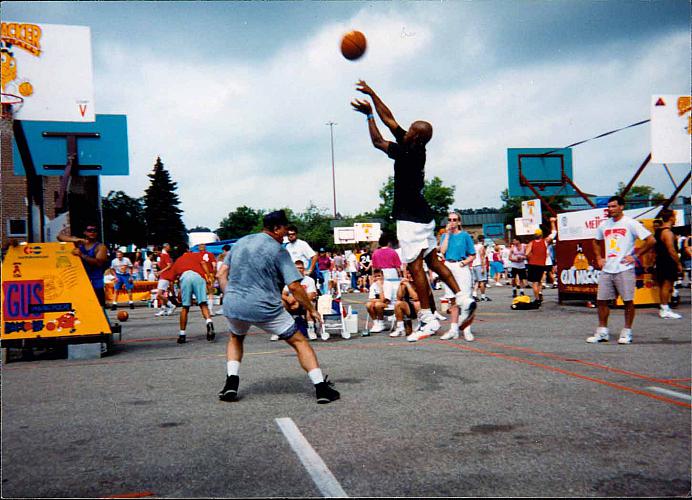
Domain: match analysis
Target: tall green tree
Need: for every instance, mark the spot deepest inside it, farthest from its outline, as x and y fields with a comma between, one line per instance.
x=438, y=196
x=240, y=222
x=124, y=221
x=641, y=195
x=164, y=218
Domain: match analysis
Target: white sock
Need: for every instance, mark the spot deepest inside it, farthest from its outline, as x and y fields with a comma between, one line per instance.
x=182, y=333
x=316, y=376
x=232, y=368
x=209, y=320
x=131, y=302
x=399, y=325
x=602, y=329
x=665, y=307
x=626, y=331
x=454, y=327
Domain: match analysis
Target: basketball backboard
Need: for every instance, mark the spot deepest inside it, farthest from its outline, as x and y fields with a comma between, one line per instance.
x=106, y=154
x=544, y=168
x=48, y=66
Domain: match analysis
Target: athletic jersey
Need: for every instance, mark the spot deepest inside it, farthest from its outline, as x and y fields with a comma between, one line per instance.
x=409, y=180
x=539, y=252
x=94, y=272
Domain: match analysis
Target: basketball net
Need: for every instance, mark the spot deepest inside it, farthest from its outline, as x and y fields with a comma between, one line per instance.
x=11, y=103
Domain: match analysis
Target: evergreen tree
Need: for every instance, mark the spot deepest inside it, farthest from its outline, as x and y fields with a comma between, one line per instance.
x=164, y=220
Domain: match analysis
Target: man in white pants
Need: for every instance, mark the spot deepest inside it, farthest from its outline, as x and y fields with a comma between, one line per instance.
x=457, y=247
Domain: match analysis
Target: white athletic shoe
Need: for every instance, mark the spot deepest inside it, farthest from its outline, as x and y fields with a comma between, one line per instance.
x=377, y=326
x=625, y=337
x=160, y=313
x=468, y=336
x=450, y=335
x=467, y=308
x=311, y=334
x=601, y=336
x=170, y=310
x=345, y=335
x=399, y=332
x=668, y=314
x=499, y=284
x=427, y=329
x=439, y=316
x=324, y=335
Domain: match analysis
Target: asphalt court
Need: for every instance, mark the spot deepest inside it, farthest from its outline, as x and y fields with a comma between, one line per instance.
x=528, y=409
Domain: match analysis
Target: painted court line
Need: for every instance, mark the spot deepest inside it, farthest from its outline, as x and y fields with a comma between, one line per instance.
x=671, y=393
x=313, y=463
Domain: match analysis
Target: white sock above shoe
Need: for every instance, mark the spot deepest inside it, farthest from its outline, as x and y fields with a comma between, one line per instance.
x=316, y=376
x=232, y=368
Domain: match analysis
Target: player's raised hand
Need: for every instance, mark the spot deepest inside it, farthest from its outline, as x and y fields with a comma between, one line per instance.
x=363, y=87
x=362, y=106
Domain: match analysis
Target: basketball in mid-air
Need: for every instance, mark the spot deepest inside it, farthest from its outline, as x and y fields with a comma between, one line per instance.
x=123, y=316
x=353, y=45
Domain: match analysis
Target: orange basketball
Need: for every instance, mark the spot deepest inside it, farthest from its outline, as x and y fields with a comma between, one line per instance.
x=353, y=45
x=123, y=316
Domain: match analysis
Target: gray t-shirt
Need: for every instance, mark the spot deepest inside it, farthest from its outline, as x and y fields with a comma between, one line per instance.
x=259, y=269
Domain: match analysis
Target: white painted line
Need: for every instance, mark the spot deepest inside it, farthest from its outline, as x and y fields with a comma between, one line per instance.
x=671, y=393
x=318, y=470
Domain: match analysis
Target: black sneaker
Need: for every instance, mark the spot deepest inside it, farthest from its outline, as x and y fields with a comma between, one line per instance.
x=210, y=332
x=181, y=339
x=114, y=307
x=132, y=306
x=324, y=392
x=487, y=299
x=230, y=390
x=514, y=293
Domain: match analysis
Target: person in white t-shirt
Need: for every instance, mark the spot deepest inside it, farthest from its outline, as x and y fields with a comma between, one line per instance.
x=122, y=267
x=619, y=233
x=301, y=250
x=382, y=294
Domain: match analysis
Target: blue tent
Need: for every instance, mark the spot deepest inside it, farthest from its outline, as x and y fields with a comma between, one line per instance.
x=216, y=247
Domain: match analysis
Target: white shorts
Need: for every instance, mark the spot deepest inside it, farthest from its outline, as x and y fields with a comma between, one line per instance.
x=163, y=284
x=414, y=237
x=463, y=277
x=390, y=274
x=283, y=325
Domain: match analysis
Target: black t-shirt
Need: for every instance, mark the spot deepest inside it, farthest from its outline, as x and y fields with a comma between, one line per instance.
x=409, y=180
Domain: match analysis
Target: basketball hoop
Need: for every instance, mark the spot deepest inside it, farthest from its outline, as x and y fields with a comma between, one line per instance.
x=11, y=103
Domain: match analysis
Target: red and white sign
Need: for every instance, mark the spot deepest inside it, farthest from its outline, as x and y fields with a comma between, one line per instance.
x=671, y=126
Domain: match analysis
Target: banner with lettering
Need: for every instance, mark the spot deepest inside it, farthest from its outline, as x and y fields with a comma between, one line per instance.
x=46, y=293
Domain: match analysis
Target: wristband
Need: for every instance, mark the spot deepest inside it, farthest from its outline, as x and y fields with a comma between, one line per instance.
x=370, y=116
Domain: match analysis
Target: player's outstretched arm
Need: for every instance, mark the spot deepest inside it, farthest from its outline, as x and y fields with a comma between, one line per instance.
x=375, y=136
x=382, y=110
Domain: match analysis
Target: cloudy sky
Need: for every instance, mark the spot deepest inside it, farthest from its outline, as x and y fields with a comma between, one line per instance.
x=235, y=97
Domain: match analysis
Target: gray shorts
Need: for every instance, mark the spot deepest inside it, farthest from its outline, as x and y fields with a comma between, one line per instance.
x=283, y=325
x=610, y=285
x=479, y=274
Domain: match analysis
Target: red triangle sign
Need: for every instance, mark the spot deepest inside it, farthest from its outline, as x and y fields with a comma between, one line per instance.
x=83, y=108
x=660, y=102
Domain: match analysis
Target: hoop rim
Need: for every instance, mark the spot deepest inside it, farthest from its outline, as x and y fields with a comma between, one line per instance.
x=10, y=99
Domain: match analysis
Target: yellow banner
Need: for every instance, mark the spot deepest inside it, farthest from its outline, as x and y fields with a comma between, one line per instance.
x=46, y=293
x=141, y=290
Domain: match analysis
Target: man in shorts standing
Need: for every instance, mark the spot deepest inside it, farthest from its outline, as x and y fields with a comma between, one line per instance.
x=164, y=263
x=252, y=275
x=480, y=274
x=617, y=269
x=537, y=258
x=122, y=266
x=415, y=223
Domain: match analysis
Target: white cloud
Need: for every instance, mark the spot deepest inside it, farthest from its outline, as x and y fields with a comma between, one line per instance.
x=237, y=134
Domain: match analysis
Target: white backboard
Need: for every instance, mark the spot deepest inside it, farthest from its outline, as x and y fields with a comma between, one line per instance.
x=344, y=235
x=367, y=231
x=671, y=125
x=50, y=67
x=531, y=209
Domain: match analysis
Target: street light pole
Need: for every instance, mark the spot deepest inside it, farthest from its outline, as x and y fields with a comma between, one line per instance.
x=331, y=133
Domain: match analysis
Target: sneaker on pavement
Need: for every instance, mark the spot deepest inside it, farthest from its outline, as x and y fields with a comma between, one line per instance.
x=181, y=339
x=345, y=335
x=427, y=329
x=274, y=338
x=324, y=335
x=450, y=335
x=487, y=299
x=230, y=390
x=377, y=326
x=132, y=306
x=324, y=392
x=439, y=316
x=668, y=314
x=160, y=313
x=114, y=307
x=600, y=336
x=210, y=332
x=499, y=284
x=468, y=336
x=311, y=333
x=625, y=337
x=467, y=312
x=399, y=332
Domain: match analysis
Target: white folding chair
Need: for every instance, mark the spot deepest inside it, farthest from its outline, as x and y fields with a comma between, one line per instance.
x=332, y=321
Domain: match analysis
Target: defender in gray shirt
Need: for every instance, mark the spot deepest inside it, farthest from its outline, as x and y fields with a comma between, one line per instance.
x=253, y=274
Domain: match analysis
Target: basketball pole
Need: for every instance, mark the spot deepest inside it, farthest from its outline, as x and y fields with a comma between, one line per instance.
x=331, y=133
